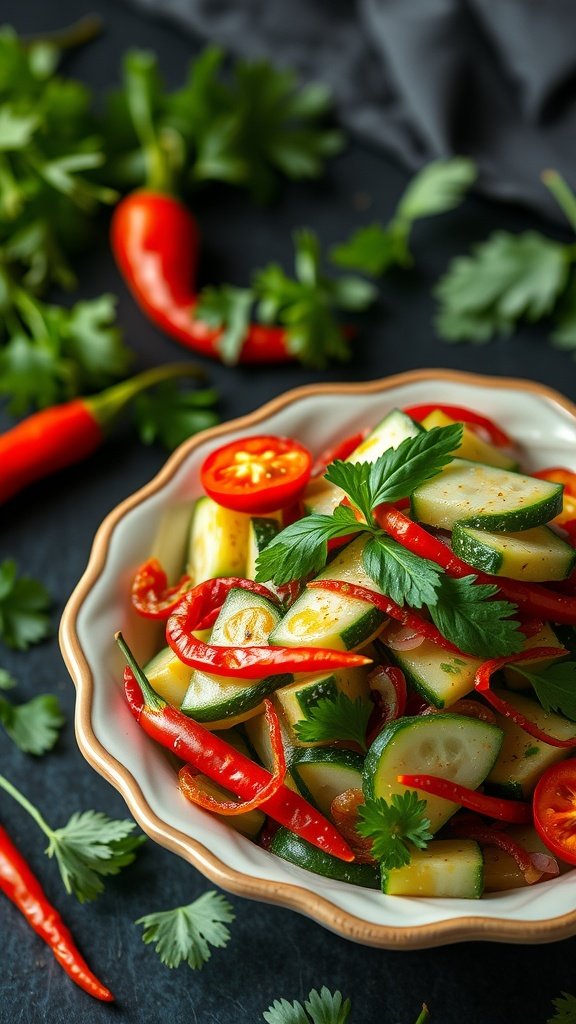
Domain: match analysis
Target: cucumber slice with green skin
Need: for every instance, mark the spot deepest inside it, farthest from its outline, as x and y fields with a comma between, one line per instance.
x=319, y=618
x=260, y=532
x=447, y=867
x=454, y=747
x=472, y=447
x=169, y=676
x=244, y=619
x=323, y=774
x=248, y=824
x=485, y=497
x=321, y=496
x=218, y=542
x=523, y=759
x=294, y=701
x=536, y=555
x=437, y=675
x=297, y=851
x=258, y=738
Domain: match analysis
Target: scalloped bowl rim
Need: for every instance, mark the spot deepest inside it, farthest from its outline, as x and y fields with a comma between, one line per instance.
x=140, y=771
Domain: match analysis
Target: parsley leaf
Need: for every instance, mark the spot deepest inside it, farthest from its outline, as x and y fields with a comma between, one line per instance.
x=565, y=1007
x=302, y=548
x=464, y=614
x=403, y=576
x=7, y=682
x=323, y=1007
x=186, y=933
x=227, y=307
x=507, y=277
x=554, y=686
x=437, y=188
x=24, y=607
x=170, y=414
x=397, y=472
x=335, y=718
x=35, y=725
x=393, y=826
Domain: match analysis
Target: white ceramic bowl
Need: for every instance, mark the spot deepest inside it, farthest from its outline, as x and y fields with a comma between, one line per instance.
x=110, y=739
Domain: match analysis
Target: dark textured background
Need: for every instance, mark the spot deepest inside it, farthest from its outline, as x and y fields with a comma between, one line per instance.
x=49, y=531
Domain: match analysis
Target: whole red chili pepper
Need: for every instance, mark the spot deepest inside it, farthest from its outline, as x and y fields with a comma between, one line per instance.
x=517, y=811
x=155, y=242
x=221, y=762
x=65, y=434
x=241, y=662
x=495, y=433
x=21, y=886
x=533, y=599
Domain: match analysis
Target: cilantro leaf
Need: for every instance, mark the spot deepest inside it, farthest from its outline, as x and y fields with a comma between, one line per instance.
x=565, y=1007
x=323, y=1007
x=7, y=682
x=185, y=934
x=170, y=414
x=33, y=726
x=554, y=686
x=507, y=277
x=465, y=614
x=90, y=847
x=393, y=826
x=398, y=471
x=307, y=304
x=564, y=333
x=437, y=188
x=335, y=718
x=24, y=607
x=16, y=130
x=302, y=548
x=89, y=337
x=400, y=574
x=227, y=307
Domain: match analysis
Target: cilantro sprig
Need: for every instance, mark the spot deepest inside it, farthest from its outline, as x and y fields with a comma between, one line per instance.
x=565, y=1009
x=394, y=826
x=24, y=608
x=510, y=278
x=88, y=849
x=170, y=413
x=34, y=726
x=185, y=934
x=335, y=718
x=437, y=188
x=324, y=1007
x=465, y=612
x=554, y=686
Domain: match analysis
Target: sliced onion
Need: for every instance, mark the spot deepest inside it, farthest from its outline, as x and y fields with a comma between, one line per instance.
x=545, y=863
x=402, y=638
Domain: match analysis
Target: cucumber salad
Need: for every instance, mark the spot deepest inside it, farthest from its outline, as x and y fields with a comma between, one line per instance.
x=369, y=661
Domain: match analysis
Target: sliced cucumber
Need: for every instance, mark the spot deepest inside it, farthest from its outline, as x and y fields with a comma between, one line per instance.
x=535, y=555
x=218, y=543
x=451, y=746
x=447, y=867
x=485, y=497
x=545, y=637
x=319, y=618
x=501, y=871
x=297, y=851
x=323, y=497
x=472, y=446
x=523, y=758
x=440, y=677
x=244, y=619
x=260, y=532
x=258, y=737
x=295, y=700
x=323, y=774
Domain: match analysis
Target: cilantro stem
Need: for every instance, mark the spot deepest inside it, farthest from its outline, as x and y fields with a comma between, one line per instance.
x=562, y=193
x=424, y=1016
x=83, y=31
x=32, y=811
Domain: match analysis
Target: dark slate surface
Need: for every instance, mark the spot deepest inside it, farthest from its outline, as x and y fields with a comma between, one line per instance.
x=49, y=531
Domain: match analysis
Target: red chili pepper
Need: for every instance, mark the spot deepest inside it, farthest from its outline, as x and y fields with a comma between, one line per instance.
x=21, y=886
x=242, y=662
x=482, y=685
x=488, y=836
x=338, y=451
x=221, y=762
x=533, y=600
x=151, y=596
x=406, y=616
x=58, y=437
x=495, y=433
x=155, y=241
x=491, y=806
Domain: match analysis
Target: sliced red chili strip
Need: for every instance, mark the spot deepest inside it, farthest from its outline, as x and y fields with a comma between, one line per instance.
x=482, y=684
x=559, y=475
x=495, y=433
x=192, y=789
x=242, y=662
x=406, y=616
x=491, y=806
x=151, y=595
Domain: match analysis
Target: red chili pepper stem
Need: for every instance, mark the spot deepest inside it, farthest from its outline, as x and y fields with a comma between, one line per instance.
x=23, y=888
x=152, y=700
x=106, y=406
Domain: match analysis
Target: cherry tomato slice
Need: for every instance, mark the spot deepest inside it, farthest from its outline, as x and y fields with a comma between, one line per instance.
x=257, y=474
x=554, y=806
